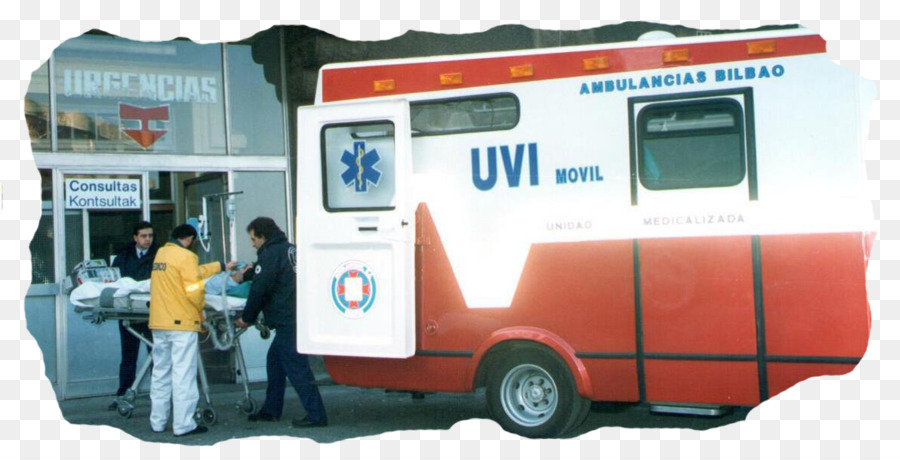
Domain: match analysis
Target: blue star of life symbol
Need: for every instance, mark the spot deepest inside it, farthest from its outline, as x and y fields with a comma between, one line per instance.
x=361, y=167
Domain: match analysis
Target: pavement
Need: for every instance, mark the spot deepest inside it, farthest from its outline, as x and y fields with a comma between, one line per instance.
x=355, y=412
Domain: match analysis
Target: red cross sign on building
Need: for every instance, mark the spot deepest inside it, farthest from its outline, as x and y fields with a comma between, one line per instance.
x=145, y=137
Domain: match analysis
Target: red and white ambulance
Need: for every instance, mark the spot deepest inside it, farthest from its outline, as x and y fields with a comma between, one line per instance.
x=678, y=222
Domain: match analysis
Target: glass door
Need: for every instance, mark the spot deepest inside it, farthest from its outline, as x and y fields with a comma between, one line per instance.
x=40, y=301
x=211, y=247
x=100, y=212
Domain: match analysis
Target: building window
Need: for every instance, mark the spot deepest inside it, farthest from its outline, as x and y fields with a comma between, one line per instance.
x=490, y=112
x=358, y=166
x=118, y=95
x=257, y=122
x=37, y=109
x=691, y=144
x=42, y=260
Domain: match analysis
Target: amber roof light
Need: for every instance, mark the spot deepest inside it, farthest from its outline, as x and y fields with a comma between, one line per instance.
x=761, y=47
x=383, y=85
x=596, y=63
x=451, y=78
x=521, y=71
x=676, y=56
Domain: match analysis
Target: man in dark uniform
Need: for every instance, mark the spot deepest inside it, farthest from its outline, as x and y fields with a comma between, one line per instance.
x=135, y=261
x=274, y=292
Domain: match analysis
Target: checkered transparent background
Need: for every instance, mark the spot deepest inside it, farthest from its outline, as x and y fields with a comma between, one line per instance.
x=853, y=416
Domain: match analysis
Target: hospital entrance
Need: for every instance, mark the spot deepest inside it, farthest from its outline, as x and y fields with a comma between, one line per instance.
x=96, y=212
x=124, y=131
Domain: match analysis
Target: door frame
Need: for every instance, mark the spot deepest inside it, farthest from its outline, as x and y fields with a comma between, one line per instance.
x=62, y=164
x=59, y=228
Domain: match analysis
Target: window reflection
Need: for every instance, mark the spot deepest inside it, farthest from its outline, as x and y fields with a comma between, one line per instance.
x=37, y=109
x=41, y=247
x=256, y=118
x=118, y=95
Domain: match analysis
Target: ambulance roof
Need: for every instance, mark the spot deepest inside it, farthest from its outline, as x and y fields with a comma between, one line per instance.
x=381, y=78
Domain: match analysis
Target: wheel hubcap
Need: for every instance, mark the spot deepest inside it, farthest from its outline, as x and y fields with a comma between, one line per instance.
x=528, y=395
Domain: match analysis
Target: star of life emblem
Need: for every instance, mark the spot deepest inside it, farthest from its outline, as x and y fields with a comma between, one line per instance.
x=361, y=170
x=353, y=289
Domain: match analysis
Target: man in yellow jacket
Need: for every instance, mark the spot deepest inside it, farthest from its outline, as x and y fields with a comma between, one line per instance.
x=176, y=315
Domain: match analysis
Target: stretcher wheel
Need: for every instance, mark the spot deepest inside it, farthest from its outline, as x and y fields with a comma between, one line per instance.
x=247, y=406
x=209, y=416
x=125, y=410
x=129, y=395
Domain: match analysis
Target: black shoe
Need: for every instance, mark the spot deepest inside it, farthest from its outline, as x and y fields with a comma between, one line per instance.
x=199, y=430
x=262, y=417
x=305, y=422
x=113, y=405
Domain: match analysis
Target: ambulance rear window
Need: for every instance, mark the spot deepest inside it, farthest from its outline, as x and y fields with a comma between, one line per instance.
x=691, y=144
x=491, y=112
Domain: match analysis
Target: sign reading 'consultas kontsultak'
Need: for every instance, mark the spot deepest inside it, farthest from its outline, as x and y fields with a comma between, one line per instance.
x=103, y=193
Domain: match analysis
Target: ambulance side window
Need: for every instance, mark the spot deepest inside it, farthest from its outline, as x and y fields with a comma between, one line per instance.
x=691, y=144
x=490, y=112
x=358, y=166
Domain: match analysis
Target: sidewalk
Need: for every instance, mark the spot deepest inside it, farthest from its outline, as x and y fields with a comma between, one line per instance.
x=352, y=412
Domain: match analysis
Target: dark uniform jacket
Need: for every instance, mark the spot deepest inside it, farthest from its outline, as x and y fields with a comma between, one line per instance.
x=274, y=287
x=130, y=266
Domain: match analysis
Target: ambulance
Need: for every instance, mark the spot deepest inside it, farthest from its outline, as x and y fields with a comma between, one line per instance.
x=675, y=222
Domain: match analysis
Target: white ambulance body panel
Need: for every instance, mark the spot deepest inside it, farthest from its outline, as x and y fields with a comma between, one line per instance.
x=356, y=262
x=796, y=120
x=487, y=234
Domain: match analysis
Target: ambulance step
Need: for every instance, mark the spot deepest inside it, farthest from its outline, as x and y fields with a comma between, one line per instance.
x=698, y=410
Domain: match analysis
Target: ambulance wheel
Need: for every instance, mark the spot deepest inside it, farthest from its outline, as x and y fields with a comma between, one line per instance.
x=531, y=392
x=209, y=416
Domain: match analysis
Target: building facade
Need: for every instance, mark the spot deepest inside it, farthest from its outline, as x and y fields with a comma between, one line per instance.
x=181, y=121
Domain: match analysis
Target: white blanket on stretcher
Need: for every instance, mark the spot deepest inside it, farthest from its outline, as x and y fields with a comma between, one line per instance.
x=91, y=290
x=86, y=294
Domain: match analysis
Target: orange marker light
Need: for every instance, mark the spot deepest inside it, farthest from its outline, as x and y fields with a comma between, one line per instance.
x=761, y=47
x=451, y=78
x=383, y=85
x=675, y=56
x=521, y=71
x=596, y=63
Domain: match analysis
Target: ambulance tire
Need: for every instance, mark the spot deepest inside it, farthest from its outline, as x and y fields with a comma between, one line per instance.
x=579, y=415
x=531, y=392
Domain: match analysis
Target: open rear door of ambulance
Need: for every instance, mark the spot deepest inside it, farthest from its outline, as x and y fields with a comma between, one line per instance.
x=355, y=267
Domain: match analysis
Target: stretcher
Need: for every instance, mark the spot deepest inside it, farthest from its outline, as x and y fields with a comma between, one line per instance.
x=128, y=301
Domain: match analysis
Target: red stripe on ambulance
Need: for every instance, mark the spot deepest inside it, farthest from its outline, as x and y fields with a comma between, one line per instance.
x=339, y=84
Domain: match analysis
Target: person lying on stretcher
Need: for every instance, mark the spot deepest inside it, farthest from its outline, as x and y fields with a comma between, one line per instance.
x=233, y=282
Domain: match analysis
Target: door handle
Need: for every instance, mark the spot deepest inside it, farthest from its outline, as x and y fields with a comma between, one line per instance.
x=368, y=229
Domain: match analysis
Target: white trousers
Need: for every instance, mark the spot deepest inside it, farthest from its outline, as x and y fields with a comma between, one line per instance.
x=174, y=382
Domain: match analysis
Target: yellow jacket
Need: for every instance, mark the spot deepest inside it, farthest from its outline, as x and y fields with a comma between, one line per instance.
x=177, y=288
